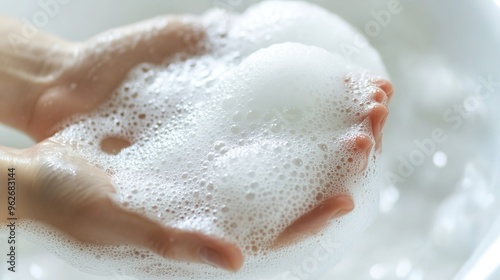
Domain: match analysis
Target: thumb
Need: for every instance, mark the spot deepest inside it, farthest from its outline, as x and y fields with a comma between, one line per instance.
x=126, y=227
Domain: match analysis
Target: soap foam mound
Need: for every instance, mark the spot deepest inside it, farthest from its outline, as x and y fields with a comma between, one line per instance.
x=237, y=143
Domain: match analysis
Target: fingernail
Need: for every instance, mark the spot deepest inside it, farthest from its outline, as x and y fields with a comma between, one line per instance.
x=339, y=214
x=214, y=258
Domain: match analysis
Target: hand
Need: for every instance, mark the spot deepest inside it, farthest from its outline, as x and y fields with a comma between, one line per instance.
x=330, y=208
x=64, y=191
x=95, y=68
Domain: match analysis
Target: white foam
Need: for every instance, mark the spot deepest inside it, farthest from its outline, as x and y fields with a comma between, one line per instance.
x=236, y=143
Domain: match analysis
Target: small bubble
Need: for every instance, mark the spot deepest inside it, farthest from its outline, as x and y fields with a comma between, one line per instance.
x=219, y=145
x=255, y=249
x=235, y=129
x=250, y=196
x=323, y=147
x=275, y=128
x=210, y=156
x=297, y=162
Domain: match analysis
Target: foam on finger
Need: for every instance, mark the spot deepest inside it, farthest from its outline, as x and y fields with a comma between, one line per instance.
x=236, y=143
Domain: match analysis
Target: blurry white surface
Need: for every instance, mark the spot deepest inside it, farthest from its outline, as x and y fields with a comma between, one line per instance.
x=438, y=53
x=485, y=262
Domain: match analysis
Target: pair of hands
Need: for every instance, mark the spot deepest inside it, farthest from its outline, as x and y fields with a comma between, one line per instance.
x=70, y=194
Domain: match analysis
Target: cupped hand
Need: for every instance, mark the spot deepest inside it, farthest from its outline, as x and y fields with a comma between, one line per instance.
x=75, y=197
x=93, y=69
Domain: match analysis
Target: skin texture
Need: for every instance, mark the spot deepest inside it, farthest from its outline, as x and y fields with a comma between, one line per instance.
x=38, y=91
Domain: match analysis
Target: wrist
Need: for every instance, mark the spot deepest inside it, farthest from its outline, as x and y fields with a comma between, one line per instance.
x=5, y=162
x=15, y=185
x=26, y=71
x=46, y=102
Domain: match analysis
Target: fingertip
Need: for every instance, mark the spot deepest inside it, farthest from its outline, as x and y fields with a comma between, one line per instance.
x=316, y=219
x=228, y=258
x=386, y=86
x=197, y=248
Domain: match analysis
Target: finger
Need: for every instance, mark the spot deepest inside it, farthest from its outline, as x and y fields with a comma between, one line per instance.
x=126, y=227
x=377, y=115
x=386, y=86
x=316, y=219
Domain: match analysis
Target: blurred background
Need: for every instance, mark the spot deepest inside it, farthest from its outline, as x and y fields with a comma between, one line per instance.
x=439, y=187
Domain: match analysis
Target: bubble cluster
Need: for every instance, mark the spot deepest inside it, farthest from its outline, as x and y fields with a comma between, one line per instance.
x=237, y=142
